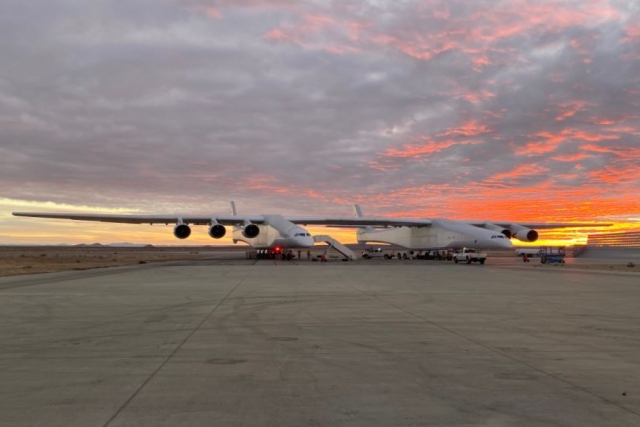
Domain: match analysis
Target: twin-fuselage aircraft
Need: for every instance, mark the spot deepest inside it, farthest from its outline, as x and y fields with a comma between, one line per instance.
x=271, y=231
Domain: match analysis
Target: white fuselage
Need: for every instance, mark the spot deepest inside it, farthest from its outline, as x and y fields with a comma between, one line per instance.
x=276, y=231
x=441, y=233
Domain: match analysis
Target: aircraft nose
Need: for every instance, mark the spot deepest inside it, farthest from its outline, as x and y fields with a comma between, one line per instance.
x=505, y=244
x=309, y=241
x=304, y=241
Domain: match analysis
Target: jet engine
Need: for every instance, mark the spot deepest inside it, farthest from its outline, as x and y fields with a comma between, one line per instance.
x=523, y=234
x=217, y=231
x=182, y=231
x=250, y=231
x=499, y=229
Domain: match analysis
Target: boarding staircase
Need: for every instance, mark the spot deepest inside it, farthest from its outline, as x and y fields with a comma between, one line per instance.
x=333, y=243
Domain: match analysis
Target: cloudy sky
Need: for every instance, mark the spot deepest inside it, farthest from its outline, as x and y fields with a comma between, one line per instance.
x=484, y=109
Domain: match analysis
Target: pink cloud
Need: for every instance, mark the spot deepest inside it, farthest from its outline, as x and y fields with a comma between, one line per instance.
x=472, y=32
x=279, y=35
x=473, y=96
x=550, y=142
x=569, y=109
x=470, y=128
x=320, y=32
x=602, y=121
x=632, y=153
x=632, y=34
x=318, y=22
x=418, y=150
x=629, y=130
x=520, y=171
x=616, y=174
x=587, y=136
x=570, y=157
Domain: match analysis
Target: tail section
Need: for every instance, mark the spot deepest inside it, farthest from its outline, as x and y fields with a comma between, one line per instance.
x=233, y=208
x=357, y=212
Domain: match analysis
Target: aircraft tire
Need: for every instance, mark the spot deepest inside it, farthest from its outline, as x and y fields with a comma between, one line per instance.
x=455, y=260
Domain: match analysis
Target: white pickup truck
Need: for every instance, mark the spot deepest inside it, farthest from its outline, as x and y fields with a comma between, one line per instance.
x=469, y=255
x=375, y=253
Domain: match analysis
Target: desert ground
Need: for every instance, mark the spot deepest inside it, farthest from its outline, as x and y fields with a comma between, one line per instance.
x=19, y=260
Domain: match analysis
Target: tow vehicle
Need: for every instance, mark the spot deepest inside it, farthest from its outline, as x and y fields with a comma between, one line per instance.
x=469, y=255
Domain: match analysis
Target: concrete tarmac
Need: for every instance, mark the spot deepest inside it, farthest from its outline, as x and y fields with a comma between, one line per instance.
x=263, y=343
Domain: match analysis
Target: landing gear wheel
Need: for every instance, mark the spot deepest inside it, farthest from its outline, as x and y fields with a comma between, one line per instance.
x=455, y=260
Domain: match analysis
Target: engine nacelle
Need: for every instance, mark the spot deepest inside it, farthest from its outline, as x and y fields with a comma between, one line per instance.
x=182, y=231
x=499, y=229
x=217, y=231
x=523, y=234
x=250, y=231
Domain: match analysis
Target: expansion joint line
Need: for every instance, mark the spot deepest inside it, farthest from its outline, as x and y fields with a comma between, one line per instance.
x=170, y=356
x=491, y=349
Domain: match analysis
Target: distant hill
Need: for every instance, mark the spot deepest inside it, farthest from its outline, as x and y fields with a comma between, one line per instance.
x=115, y=245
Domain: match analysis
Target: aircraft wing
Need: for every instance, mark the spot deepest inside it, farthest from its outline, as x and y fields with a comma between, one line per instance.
x=231, y=219
x=359, y=221
x=541, y=225
x=354, y=222
x=346, y=221
x=148, y=219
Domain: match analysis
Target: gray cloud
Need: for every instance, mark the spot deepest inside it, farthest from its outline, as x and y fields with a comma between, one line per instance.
x=176, y=105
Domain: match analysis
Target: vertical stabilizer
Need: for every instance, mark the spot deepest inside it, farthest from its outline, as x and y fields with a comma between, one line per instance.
x=233, y=208
x=357, y=212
